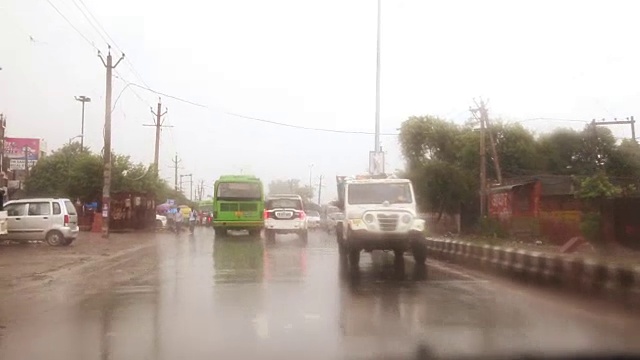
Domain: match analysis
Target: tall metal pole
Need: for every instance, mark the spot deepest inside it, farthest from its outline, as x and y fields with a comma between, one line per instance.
x=106, y=189
x=320, y=190
x=377, y=140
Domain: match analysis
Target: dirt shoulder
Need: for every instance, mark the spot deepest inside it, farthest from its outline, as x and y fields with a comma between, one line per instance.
x=24, y=264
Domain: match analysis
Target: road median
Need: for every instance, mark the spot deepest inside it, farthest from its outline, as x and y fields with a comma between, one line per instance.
x=615, y=282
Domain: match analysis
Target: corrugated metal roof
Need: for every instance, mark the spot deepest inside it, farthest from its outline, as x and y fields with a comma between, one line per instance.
x=500, y=188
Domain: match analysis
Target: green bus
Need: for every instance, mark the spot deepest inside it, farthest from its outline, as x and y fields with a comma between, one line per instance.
x=238, y=204
x=205, y=208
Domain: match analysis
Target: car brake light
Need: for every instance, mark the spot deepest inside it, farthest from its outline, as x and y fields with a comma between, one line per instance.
x=302, y=215
x=66, y=220
x=265, y=215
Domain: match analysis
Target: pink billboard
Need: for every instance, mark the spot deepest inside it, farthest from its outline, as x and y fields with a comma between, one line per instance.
x=14, y=148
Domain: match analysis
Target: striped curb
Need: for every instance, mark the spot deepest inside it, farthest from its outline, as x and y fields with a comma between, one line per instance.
x=570, y=273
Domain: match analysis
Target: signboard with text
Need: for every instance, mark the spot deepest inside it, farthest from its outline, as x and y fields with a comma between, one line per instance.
x=17, y=149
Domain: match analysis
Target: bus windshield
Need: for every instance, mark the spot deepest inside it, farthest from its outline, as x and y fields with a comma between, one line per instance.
x=239, y=191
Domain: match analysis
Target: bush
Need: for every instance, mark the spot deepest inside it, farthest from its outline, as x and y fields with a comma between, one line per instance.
x=591, y=228
x=492, y=227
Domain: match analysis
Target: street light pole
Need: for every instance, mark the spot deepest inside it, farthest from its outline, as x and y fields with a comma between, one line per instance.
x=83, y=99
x=377, y=136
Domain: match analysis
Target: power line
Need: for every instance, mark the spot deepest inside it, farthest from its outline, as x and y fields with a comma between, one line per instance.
x=73, y=26
x=129, y=63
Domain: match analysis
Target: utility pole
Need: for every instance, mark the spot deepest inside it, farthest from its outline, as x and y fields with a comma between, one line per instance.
x=484, y=113
x=83, y=99
x=190, y=176
x=3, y=127
x=176, y=163
x=26, y=162
x=158, y=124
x=320, y=190
x=376, y=147
x=628, y=121
x=106, y=189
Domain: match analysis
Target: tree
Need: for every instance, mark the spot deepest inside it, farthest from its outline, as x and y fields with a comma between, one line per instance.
x=291, y=186
x=70, y=172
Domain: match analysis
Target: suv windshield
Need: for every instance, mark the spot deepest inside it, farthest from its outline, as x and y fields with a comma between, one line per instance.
x=284, y=203
x=394, y=193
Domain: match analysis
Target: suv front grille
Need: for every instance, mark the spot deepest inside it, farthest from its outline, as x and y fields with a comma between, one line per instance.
x=388, y=222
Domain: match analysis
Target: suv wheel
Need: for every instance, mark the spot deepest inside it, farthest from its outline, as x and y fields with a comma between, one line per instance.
x=55, y=238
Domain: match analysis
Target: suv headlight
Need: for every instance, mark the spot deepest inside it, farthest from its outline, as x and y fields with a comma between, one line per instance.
x=406, y=218
x=369, y=218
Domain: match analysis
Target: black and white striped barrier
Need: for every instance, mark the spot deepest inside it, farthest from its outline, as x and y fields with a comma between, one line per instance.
x=611, y=281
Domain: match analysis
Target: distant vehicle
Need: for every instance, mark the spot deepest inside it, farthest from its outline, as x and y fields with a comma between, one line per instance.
x=380, y=214
x=205, y=210
x=330, y=222
x=238, y=204
x=284, y=214
x=313, y=219
x=161, y=221
x=45, y=219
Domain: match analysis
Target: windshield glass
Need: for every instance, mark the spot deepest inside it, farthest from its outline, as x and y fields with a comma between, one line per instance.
x=240, y=190
x=398, y=193
x=284, y=203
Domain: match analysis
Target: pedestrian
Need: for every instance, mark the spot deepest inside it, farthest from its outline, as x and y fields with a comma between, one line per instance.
x=193, y=217
x=178, y=221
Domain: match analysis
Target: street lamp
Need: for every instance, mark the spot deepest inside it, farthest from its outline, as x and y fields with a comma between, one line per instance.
x=75, y=137
x=83, y=99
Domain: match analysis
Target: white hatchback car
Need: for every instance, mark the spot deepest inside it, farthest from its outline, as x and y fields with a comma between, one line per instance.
x=284, y=214
x=50, y=219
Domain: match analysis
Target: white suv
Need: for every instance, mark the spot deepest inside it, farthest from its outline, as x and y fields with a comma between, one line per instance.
x=284, y=214
x=50, y=219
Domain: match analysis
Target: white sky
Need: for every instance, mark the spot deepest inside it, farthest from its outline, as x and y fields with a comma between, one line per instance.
x=309, y=63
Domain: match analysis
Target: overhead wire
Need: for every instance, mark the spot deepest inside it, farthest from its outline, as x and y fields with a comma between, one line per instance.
x=73, y=26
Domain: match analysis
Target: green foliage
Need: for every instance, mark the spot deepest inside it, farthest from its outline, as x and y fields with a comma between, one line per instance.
x=76, y=174
x=597, y=187
x=443, y=158
x=291, y=186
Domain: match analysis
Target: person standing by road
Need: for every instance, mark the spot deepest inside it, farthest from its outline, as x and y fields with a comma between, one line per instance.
x=178, y=221
x=193, y=217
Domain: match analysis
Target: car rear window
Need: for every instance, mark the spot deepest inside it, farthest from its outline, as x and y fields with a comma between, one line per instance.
x=71, y=210
x=284, y=203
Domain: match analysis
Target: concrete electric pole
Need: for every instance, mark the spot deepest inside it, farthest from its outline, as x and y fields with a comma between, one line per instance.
x=176, y=163
x=106, y=189
x=158, y=124
x=83, y=99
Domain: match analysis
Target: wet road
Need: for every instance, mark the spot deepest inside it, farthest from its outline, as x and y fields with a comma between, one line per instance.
x=195, y=298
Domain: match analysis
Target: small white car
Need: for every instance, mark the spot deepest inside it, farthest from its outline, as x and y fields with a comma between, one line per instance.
x=50, y=219
x=313, y=219
x=284, y=214
x=161, y=221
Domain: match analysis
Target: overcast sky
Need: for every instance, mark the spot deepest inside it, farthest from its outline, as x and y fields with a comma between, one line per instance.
x=308, y=63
